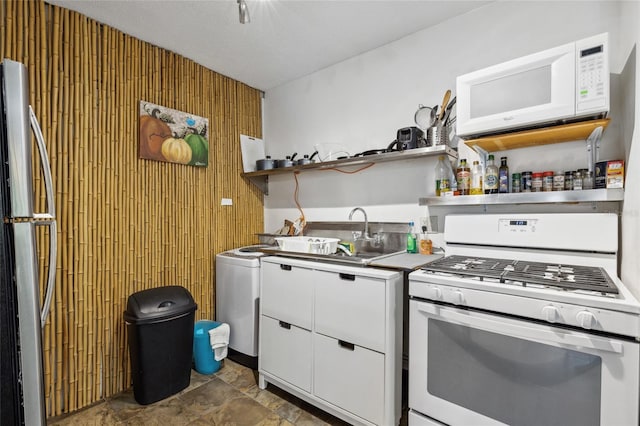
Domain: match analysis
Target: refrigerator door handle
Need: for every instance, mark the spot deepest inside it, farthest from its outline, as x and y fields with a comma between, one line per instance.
x=51, y=278
x=46, y=219
x=46, y=169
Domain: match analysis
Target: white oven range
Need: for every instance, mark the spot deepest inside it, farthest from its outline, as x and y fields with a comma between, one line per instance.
x=524, y=322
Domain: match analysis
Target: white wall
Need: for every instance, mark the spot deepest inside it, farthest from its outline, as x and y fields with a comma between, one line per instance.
x=630, y=267
x=361, y=102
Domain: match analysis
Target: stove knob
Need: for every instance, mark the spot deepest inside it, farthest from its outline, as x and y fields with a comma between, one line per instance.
x=458, y=297
x=550, y=313
x=437, y=293
x=586, y=319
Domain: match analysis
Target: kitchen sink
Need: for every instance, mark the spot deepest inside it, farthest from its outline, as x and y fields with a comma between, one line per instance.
x=387, y=239
x=361, y=259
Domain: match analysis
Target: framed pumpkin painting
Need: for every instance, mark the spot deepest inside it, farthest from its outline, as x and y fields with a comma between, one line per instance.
x=173, y=136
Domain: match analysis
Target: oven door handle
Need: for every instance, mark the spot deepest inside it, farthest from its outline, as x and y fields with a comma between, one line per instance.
x=504, y=326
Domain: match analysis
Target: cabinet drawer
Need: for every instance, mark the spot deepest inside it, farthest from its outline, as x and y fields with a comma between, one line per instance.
x=287, y=293
x=350, y=377
x=285, y=351
x=351, y=308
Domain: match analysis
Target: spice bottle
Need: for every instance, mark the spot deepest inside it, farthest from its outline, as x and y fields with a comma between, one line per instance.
x=587, y=180
x=526, y=181
x=503, y=176
x=558, y=181
x=568, y=181
x=577, y=181
x=547, y=181
x=516, y=180
x=463, y=177
x=476, y=179
x=536, y=182
x=491, y=177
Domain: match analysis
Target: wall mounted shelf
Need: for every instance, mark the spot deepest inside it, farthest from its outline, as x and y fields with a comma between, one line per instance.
x=585, y=196
x=260, y=178
x=538, y=137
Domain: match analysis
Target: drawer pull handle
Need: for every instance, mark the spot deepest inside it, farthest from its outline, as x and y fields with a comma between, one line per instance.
x=346, y=345
x=285, y=325
x=347, y=277
x=285, y=267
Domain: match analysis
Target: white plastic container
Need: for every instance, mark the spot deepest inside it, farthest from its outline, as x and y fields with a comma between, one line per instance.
x=308, y=244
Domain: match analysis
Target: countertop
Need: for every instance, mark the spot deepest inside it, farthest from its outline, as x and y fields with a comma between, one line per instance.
x=401, y=261
x=406, y=261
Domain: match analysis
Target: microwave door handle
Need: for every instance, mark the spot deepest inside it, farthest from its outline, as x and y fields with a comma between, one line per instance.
x=46, y=169
x=51, y=279
x=522, y=331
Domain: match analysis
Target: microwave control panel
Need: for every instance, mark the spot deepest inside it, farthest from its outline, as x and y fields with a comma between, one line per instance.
x=592, y=69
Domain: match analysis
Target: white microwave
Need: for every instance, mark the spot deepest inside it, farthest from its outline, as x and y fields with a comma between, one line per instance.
x=561, y=85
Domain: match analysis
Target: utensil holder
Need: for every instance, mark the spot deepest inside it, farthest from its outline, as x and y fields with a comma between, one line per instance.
x=438, y=135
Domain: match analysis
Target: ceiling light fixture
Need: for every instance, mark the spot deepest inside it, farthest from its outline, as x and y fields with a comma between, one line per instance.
x=244, y=12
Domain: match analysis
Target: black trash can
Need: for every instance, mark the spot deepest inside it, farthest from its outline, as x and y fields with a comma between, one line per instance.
x=160, y=334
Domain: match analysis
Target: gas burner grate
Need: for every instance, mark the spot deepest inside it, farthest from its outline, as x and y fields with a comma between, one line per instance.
x=570, y=277
x=471, y=266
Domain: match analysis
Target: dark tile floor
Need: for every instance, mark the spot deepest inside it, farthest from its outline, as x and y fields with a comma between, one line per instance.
x=231, y=396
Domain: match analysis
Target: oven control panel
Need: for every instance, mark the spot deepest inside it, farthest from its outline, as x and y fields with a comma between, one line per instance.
x=597, y=232
x=521, y=302
x=521, y=226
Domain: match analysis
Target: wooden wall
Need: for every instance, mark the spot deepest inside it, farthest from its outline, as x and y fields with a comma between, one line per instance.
x=124, y=224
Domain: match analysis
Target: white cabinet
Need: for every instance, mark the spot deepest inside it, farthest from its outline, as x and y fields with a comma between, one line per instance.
x=349, y=376
x=332, y=335
x=289, y=295
x=351, y=308
x=292, y=341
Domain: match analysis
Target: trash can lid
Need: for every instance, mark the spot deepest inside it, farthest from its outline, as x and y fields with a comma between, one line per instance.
x=157, y=304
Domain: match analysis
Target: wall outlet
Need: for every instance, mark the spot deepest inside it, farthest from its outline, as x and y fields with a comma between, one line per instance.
x=430, y=223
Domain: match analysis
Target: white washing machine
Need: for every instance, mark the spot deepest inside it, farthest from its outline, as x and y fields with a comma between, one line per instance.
x=237, y=301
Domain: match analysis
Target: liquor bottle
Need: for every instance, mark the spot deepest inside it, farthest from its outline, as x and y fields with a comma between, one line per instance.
x=491, y=177
x=463, y=177
x=411, y=240
x=503, y=176
x=443, y=176
x=476, y=179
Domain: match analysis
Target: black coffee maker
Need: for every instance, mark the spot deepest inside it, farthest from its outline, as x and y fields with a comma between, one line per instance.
x=408, y=138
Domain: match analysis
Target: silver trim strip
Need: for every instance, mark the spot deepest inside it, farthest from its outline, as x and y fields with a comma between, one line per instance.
x=18, y=138
x=29, y=329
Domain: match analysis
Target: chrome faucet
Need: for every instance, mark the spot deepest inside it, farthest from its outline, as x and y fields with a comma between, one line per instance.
x=365, y=236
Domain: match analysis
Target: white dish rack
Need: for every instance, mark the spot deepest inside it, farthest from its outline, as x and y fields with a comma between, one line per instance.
x=308, y=244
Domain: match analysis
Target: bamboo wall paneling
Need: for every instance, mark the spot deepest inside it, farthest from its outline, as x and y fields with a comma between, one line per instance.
x=19, y=52
x=54, y=387
x=3, y=34
x=124, y=224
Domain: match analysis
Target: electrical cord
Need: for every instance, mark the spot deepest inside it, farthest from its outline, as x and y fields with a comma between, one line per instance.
x=296, y=191
x=335, y=169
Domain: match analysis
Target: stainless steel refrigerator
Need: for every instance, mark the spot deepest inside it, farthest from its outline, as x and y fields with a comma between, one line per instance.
x=21, y=314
